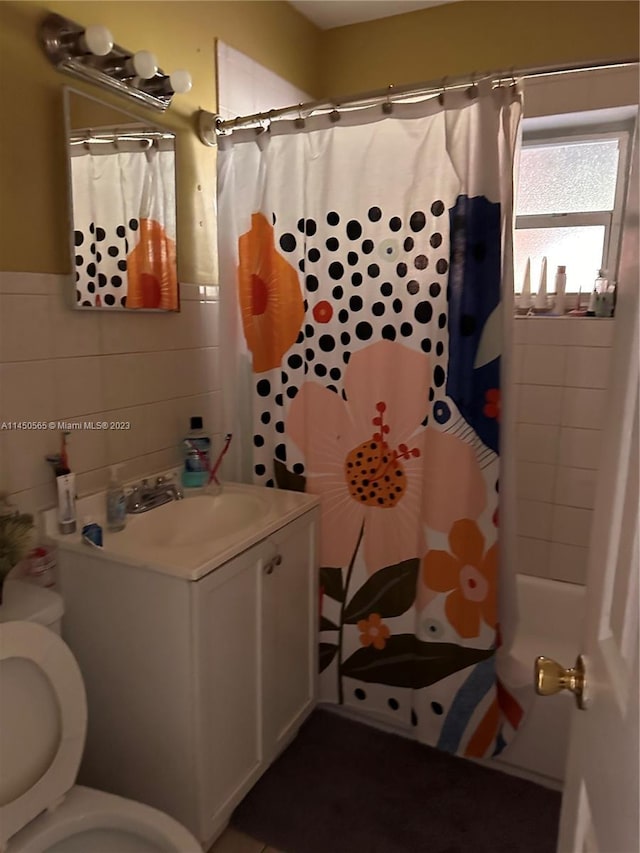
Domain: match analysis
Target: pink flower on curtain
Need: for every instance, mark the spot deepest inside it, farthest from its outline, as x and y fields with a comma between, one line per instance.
x=373, y=463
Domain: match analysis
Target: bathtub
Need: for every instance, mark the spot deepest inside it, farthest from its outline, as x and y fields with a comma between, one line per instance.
x=551, y=615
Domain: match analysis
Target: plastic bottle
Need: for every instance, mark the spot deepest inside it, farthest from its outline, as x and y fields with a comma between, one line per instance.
x=599, y=288
x=601, y=284
x=41, y=567
x=116, y=502
x=561, y=284
x=197, y=461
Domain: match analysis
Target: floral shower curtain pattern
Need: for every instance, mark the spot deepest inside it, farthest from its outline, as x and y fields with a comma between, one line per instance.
x=124, y=226
x=364, y=262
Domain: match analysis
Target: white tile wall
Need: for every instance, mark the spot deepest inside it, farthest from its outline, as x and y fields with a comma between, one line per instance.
x=575, y=487
x=561, y=375
x=536, y=481
x=567, y=562
x=537, y=443
x=152, y=371
x=539, y=404
x=534, y=519
x=533, y=556
x=580, y=448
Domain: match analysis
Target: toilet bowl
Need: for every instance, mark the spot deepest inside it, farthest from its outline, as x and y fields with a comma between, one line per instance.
x=44, y=718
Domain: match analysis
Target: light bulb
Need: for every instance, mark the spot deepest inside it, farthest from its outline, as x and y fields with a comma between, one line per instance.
x=145, y=64
x=98, y=40
x=180, y=82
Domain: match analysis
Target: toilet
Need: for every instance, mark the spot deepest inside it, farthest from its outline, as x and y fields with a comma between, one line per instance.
x=43, y=710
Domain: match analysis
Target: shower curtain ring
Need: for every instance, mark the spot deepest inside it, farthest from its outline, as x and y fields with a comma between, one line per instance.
x=472, y=91
x=513, y=86
x=299, y=123
x=334, y=115
x=387, y=106
x=443, y=89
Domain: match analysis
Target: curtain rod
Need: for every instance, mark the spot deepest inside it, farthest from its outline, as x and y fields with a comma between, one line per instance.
x=210, y=124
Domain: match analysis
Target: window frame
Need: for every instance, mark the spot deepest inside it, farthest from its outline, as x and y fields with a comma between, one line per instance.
x=611, y=219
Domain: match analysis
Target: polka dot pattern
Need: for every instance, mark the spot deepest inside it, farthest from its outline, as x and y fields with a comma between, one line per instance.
x=101, y=264
x=381, y=274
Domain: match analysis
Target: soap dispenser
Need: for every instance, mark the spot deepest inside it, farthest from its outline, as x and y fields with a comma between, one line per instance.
x=116, y=502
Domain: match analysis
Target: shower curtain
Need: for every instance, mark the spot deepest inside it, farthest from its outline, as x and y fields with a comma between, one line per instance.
x=124, y=214
x=361, y=263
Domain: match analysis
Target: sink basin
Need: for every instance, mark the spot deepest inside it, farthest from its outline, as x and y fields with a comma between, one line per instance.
x=195, y=520
x=187, y=538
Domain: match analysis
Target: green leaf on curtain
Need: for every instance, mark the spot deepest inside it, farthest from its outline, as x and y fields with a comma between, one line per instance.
x=327, y=624
x=390, y=592
x=406, y=661
x=287, y=479
x=326, y=653
x=331, y=582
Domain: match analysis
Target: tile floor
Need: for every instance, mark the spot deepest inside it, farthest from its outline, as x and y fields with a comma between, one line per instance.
x=232, y=841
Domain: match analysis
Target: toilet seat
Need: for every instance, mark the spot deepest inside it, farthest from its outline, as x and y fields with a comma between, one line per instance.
x=42, y=809
x=86, y=811
x=34, y=644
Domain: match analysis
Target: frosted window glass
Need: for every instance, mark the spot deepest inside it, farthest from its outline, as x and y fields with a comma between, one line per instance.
x=579, y=249
x=567, y=178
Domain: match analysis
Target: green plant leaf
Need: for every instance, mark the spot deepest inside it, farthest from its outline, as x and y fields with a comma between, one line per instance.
x=406, y=661
x=331, y=582
x=326, y=653
x=390, y=592
x=287, y=479
x=327, y=624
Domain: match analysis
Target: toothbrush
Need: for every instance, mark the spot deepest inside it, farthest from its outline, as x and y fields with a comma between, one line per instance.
x=201, y=456
x=216, y=465
x=64, y=458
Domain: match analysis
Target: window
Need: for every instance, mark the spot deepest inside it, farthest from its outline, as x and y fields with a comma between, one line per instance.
x=569, y=206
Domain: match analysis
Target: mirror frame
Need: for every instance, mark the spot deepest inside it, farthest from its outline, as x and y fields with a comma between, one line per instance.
x=68, y=92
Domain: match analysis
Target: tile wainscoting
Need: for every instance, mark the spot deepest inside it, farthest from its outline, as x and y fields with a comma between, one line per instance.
x=561, y=376
x=152, y=371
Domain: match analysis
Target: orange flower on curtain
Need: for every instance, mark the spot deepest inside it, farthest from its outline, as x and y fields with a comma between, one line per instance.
x=468, y=574
x=151, y=269
x=271, y=302
x=373, y=631
x=492, y=406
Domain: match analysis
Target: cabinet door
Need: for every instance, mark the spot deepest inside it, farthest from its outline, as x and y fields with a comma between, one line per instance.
x=290, y=631
x=228, y=660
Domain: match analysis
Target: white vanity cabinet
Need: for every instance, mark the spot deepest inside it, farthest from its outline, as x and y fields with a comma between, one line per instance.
x=255, y=628
x=194, y=686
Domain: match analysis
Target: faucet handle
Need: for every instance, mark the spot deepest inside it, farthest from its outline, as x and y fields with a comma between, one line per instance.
x=134, y=499
x=161, y=480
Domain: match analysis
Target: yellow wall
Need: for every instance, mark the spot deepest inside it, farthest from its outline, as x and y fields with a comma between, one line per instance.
x=460, y=38
x=451, y=39
x=33, y=190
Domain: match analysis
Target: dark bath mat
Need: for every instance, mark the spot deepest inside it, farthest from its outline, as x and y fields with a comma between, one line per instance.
x=345, y=787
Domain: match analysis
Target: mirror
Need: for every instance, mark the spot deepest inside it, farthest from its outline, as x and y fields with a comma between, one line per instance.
x=122, y=192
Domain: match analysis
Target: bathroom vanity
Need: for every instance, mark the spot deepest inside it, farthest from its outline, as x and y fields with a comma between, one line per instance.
x=195, y=630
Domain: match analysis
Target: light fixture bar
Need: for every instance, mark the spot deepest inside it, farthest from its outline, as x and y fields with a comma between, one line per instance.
x=69, y=47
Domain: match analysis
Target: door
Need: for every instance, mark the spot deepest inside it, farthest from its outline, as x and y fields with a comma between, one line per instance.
x=601, y=799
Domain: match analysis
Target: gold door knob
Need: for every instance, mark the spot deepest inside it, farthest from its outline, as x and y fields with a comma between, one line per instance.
x=552, y=678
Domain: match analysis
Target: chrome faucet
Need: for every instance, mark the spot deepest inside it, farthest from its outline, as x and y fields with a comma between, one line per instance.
x=147, y=496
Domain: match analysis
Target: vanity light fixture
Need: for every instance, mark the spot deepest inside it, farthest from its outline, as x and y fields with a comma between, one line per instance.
x=90, y=53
